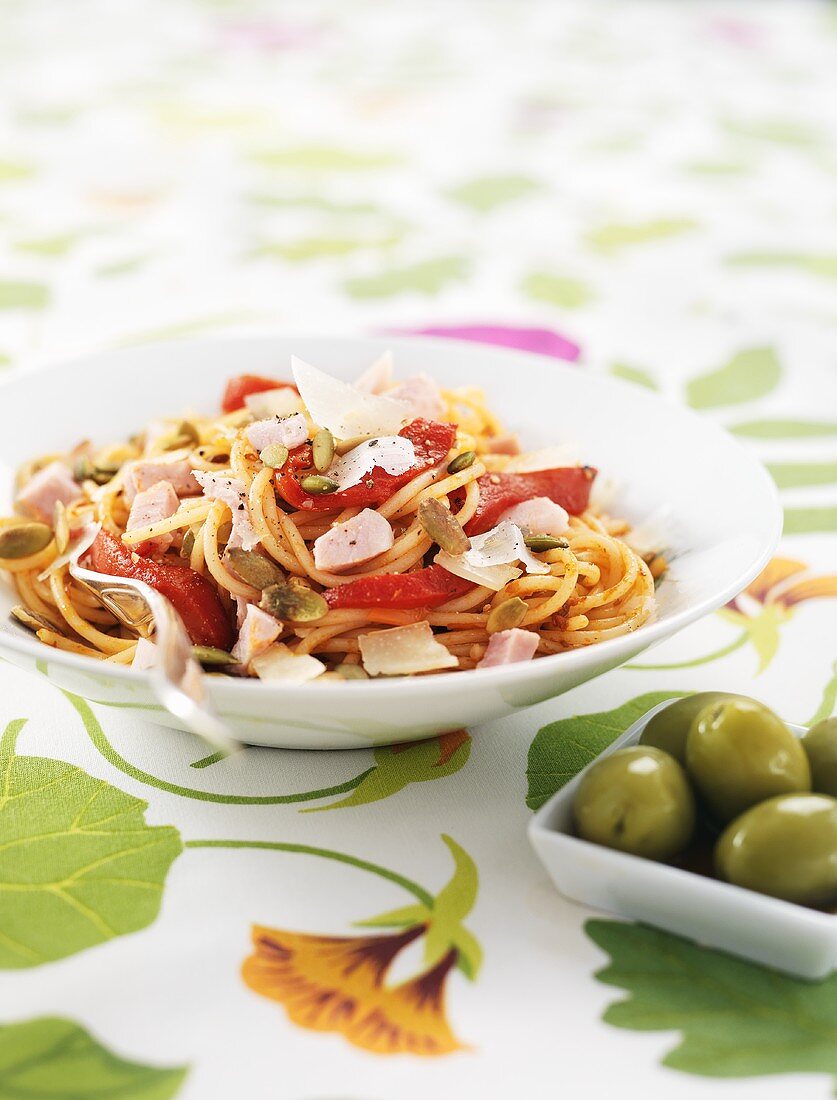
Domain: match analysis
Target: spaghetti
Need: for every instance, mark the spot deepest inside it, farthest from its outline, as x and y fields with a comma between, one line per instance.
x=323, y=530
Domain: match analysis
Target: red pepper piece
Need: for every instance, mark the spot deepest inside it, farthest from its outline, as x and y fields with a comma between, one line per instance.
x=244, y=384
x=425, y=588
x=568, y=486
x=192, y=596
x=431, y=440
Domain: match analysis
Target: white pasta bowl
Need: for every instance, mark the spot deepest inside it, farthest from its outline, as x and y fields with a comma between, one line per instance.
x=721, y=506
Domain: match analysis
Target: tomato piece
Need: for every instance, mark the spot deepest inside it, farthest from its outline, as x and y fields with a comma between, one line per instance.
x=244, y=384
x=192, y=596
x=568, y=486
x=427, y=587
x=431, y=440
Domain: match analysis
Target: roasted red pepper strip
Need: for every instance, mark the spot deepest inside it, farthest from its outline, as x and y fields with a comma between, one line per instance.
x=431, y=440
x=244, y=384
x=568, y=486
x=425, y=588
x=192, y=596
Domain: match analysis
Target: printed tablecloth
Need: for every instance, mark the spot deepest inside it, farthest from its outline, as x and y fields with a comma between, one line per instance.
x=645, y=189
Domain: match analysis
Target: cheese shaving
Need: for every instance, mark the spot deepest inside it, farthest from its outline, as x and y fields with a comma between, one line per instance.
x=280, y=663
x=547, y=458
x=494, y=577
x=392, y=453
x=403, y=650
x=345, y=410
x=502, y=544
x=279, y=402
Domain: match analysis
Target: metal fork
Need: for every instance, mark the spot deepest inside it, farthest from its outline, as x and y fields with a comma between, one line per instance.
x=177, y=678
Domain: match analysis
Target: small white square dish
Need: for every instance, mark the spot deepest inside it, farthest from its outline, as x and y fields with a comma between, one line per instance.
x=779, y=934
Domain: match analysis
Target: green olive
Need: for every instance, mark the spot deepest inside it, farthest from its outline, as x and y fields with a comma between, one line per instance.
x=820, y=745
x=638, y=800
x=739, y=752
x=785, y=847
x=668, y=729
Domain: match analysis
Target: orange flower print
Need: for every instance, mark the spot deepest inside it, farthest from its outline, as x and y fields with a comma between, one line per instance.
x=769, y=601
x=339, y=983
x=762, y=609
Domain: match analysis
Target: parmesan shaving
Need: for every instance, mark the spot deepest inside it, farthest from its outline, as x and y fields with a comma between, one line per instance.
x=502, y=544
x=345, y=410
x=403, y=650
x=547, y=458
x=655, y=534
x=393, y=453
x=494, y=577
x=279, y=402
x=280, y=663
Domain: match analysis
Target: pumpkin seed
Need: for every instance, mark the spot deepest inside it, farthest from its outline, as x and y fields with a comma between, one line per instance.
x=507, y=615
x=293, y=602
x=319, y=485
x=275, y=456
x=442, y=527
x=24, y=538
x=83, y=468
x=210, y=657
x=34, y=621
x=462, y=462
x=254, y=568
x=61, y=526
x=323, y=447
x=188, y=544
x=541, y=543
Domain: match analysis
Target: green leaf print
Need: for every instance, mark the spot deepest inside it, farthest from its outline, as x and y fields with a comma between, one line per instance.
x=823, y=264
x=488, y=192
x=780, y=131
x=59, y=245
x=750, y=374
x=324, y=158
x=561, y=749
x=636, y=375
x=809, y=521
x=16, y=295
x=317, y=248
x=11, y=171
x=785, y=429
x=795, y=475
x=429, y=277
x=557, y=290
x=451, y=906
x=396, y=766
x=57, y=1059
x=314, y=202
x=611, y=237
x=78, y=864
x=735, y=1019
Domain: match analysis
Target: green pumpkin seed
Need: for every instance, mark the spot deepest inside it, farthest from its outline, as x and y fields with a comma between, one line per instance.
x=254, y=568
x=319, y=485
x=507, y=615
x=21, y=540
x=539, y=544
x=61, y=527
x=210, y=657
x=34, y=621
x=443, y=528
x=293, y=602
x=275, y=456
x=83, y=469
x=323, y=448
x=462, y=462
x=188, y=544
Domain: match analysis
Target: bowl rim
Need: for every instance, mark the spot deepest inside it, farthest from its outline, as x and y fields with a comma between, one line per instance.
x=613, y=650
